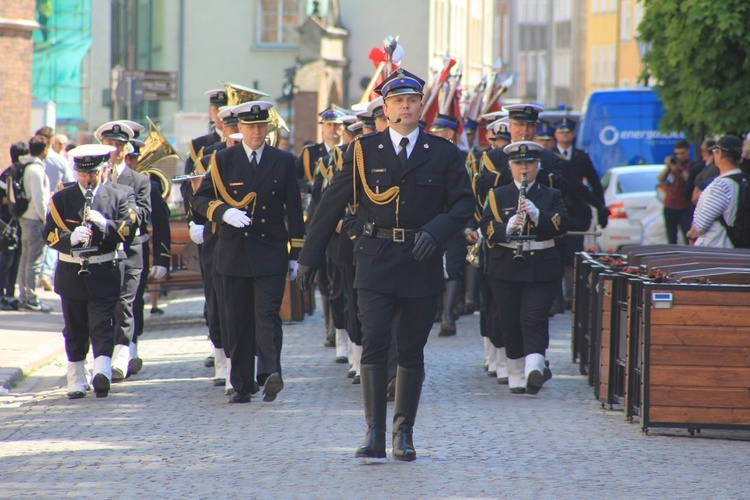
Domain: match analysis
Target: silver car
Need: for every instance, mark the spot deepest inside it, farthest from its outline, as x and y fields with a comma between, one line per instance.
x=631, y=194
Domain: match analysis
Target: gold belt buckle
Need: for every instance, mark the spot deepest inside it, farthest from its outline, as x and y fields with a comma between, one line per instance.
x=399, y=235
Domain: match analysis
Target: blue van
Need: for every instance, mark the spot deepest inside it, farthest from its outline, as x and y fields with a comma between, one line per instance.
x=621, y=127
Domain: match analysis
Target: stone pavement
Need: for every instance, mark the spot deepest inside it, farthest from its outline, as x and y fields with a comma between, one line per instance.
x=168, y=433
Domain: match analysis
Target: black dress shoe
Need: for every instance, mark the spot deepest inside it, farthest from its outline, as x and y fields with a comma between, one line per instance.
x=502, y=380
x=534, y=382
x=272, y=387
x=229, y=391
x=219, y=382
x=518, y=390
x=76, y=394
x=340, y=359
x=356, y=380
x=208, y=362
x=238, y=398
x=101, y=385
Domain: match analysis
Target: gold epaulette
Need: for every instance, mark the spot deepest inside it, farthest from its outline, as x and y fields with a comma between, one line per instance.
x=306, y=164
x=471, y=164
x=487, y=163
x=194, y=155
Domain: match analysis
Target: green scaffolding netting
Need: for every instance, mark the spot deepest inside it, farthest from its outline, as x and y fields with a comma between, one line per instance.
x=60, y=46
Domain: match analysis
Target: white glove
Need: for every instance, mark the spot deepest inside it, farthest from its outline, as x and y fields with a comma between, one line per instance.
x=532, y=211
x=158, y=272
x=98, y=219
x=513, y=224
x=292, y=274
x=236, y=218
x=79, y=234
x=196, y=233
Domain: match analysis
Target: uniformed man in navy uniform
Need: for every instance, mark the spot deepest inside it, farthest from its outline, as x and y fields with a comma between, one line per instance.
x=307, y=171
x=205, y=234
x=89, y=283
x=525, y=273
x=253, y=195
x=412, y=194
x=580, y=170
x=446, y=126
x=157, y=250
x=118, y=134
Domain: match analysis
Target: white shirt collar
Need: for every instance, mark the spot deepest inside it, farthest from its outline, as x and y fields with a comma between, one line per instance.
x=83, y=189
x=119, y=168
x=528, y=186
x=732, y=172
x=396, y=140
x=249, y=151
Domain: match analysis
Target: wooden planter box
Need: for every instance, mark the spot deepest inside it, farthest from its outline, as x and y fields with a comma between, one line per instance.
x=695, y=356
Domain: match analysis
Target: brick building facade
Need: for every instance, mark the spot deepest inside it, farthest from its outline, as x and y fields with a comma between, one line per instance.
x=17, y=49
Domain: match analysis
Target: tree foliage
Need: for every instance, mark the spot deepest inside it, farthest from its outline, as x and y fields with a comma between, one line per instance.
x=699, y=56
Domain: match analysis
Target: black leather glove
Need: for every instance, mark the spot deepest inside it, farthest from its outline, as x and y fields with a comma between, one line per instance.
x=602, y=216
x=305, y=277
x=425, y=245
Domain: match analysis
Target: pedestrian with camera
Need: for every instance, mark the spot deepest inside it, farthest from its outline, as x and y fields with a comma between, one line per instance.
x=678, y=209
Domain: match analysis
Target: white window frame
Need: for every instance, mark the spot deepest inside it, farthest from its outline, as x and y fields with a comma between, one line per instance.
x=279, y=43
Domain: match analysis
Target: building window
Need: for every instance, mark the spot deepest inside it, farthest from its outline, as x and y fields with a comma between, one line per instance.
x=611, y=64
x=278, y=21
x=626, y=28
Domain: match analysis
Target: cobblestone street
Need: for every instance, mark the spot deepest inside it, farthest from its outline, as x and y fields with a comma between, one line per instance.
x=168, y=433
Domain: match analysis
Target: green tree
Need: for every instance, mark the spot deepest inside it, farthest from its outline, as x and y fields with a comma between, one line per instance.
x=699, y=56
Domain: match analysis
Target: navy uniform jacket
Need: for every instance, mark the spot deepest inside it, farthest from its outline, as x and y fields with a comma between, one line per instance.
x=434, y=194
x=133, y=251
x=141, y=185
x=161, y=233
x=210, y=232
x=267, y=195
x=539, y=265
x=578, y=168
x=305, y=164
x=198, y=149
x=65, y=214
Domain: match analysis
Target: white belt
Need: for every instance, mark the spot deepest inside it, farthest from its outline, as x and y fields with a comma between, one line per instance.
x=94, y=259
x=531, y=245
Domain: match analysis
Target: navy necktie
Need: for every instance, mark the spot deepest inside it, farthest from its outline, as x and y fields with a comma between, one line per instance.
x=402, y=158
x=253, y=161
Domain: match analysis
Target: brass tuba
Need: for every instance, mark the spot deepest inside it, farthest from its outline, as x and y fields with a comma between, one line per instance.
x=156, y=148
x=237, y=94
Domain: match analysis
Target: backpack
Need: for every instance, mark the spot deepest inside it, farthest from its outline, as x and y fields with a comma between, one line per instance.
x=18, y=201
x=739, y=232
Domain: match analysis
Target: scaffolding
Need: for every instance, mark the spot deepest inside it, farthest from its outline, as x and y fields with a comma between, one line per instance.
x=60, y=47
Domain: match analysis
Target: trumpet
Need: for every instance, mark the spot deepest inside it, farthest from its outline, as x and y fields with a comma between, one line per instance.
x=86, y=249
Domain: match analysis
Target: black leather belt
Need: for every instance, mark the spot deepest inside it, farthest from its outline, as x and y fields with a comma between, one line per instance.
x=397, y=234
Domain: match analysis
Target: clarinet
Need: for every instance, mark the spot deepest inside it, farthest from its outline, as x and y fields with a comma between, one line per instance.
x=524, y=218
x=520, y=237
x=86, y=248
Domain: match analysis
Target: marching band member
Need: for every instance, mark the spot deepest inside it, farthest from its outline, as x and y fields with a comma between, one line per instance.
x=250, y=192
x=524, y=274
x=413, y=194
x=86, y=222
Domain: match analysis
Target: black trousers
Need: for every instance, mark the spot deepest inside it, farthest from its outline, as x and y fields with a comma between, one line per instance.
x=337, y=295
x=253, y=324
x=87, y=321
x=124, y=319
x=353, y=326
x=384, y=316
x=524, y=315
x=138, y=303
x=212, y=302
x=487, y=309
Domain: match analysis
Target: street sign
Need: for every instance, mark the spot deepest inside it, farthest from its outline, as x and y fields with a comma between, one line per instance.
x=156, y=85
